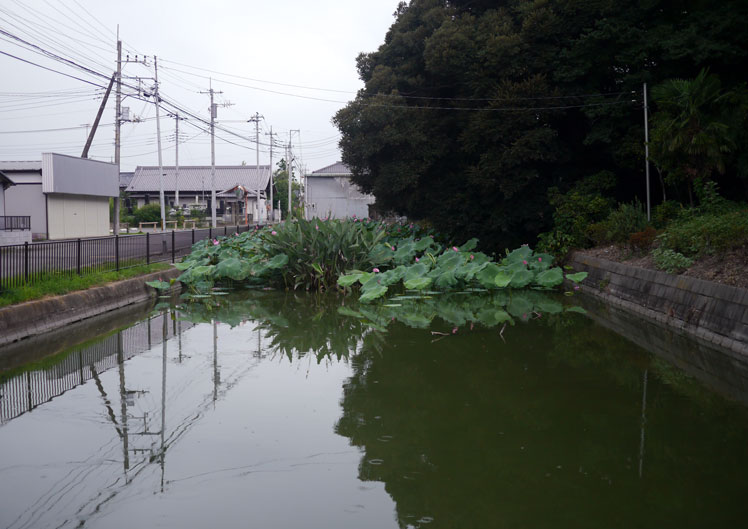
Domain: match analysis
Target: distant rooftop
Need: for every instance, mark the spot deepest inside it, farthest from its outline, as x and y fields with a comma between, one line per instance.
x=33, y=165
x=198, y=178
x=336, y=169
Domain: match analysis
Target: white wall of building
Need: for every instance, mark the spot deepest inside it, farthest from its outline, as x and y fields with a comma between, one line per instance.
x=73, y=216
x=27, y=199
x=336, y=197
x=2, y=200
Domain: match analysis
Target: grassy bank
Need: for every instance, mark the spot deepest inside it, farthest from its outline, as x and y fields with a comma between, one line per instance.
x=57, y=285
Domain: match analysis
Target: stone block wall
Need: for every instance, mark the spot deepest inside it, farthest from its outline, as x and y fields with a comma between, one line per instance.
x=711, y=311
x=8, y=238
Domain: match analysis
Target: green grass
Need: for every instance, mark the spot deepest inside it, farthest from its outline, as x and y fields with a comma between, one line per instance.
x=56, y=285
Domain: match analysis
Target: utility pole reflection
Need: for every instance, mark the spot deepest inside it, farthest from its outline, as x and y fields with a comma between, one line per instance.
x=643, y=423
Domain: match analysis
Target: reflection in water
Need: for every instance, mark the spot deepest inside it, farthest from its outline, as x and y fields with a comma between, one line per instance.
x=524, y=416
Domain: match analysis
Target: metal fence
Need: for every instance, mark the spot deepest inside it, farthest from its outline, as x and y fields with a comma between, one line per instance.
x=23, y=264
x=24, y=392
x=15, y=223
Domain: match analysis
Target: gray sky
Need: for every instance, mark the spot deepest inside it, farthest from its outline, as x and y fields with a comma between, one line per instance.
x=255, y=51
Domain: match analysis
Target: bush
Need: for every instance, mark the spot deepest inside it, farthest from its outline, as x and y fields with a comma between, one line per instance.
x=706, y=234
x=643, y=240
x=148, y=213
x=670, y=261
x=666, y=212
x=620, y=224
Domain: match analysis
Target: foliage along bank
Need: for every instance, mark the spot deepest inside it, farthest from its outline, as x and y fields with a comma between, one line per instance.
x=370, y=256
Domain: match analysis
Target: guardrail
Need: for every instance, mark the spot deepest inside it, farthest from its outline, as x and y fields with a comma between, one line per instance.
x=15, y=223
x=31, y=262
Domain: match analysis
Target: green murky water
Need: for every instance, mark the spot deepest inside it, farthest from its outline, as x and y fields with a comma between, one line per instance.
x=272, y=410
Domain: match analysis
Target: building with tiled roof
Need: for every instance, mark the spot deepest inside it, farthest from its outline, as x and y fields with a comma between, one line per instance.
x=194, y=185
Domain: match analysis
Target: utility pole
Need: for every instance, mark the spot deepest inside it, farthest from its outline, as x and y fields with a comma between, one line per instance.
x=158, y=140
x=256, y=120
x=213, y=116
x=117, y=123
x=646, y=149
x=176, y=162
x=272, y=207
x=289, y=170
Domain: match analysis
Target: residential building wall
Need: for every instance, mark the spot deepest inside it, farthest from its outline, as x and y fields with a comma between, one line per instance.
x=73, y=216
x=27, y=199
x=2, y=200
x=335, y=197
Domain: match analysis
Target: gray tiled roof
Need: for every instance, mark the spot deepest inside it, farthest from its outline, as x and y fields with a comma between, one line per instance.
x=197, y=178
x=336, y=169
x=125, y=178
x=34, y=165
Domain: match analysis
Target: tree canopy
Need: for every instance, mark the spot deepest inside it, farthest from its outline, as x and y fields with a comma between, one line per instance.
x=472, y=109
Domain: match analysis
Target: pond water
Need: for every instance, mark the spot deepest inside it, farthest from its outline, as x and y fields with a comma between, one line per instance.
x=266, y=409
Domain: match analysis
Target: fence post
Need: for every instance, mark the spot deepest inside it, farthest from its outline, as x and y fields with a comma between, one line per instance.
x=78, y=257
x=25, y=262
x=210, y=232
x=173, y=251
x=225, y=231
x=116, y=252
x=193, y=235
x=147, y=248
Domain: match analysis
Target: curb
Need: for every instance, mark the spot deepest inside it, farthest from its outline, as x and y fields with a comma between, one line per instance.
x=39, y=316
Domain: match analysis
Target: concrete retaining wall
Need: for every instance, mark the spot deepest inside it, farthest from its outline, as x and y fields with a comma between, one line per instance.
x=36, y=317
x=710, y=311
x=9, y=238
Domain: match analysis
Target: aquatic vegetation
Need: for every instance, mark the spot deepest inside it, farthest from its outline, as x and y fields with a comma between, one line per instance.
x=371, y=257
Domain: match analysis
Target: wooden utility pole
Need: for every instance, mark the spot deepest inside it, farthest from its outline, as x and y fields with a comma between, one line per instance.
x=256, y=120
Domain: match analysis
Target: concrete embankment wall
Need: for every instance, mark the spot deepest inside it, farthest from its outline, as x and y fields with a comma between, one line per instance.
x=36, y=317
x=710, y=311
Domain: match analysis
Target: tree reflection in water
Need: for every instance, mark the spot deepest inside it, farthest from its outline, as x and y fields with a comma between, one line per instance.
x=539, y=425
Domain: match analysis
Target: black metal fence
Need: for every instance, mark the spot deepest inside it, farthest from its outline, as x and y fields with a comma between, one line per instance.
x=31, y=262
x=15, y=223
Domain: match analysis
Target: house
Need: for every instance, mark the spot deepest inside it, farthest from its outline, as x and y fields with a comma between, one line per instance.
x=330, y=193
x=13, y=229
x=194, y=186
x=64, y=196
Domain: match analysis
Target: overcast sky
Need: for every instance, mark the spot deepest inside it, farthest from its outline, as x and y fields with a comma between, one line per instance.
x=293, y=61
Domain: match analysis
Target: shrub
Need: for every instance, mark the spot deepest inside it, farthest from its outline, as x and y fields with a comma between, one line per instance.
x=666, y=212
x=643, y=240
x=670, y=261
x=707, y=234
x=148, y=213
x=620, y=224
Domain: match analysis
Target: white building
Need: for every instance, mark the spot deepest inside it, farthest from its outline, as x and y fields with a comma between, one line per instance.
x=65, y=196
x=330, y=193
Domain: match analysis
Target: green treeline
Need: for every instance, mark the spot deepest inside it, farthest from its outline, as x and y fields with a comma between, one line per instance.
x=480, y=116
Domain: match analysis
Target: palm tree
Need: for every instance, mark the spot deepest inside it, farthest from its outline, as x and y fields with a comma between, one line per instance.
x=690, y=136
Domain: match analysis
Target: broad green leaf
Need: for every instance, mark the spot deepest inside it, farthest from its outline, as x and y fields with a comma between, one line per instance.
x=550, y=278
x=469, y=245
x=580, y=310
x=487, y=276
x=418, y=283
x=278, y=261
x=373, y=293
x=519, y=306
x=549, y=306
x=521, y=279
x=416, y=271
x=231, y=268
x=578, y=277
x=503, y=278
x=349, y=278
x=522, y=253
x=158, y=284
x=424, y=243
x=183, y=265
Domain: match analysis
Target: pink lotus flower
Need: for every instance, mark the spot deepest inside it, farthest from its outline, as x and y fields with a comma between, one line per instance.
x=393, y=248
x=316, y=227
x=454, y=330
x=273, y=232
x=472, y=257
x=576, y=287
x=524, y=262
x=215, y=242
x=455, y=248
x=540, y=259
x=417, y=259
x=375, y=270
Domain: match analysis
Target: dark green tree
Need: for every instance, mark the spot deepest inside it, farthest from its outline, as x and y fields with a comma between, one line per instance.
x=471, y=109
